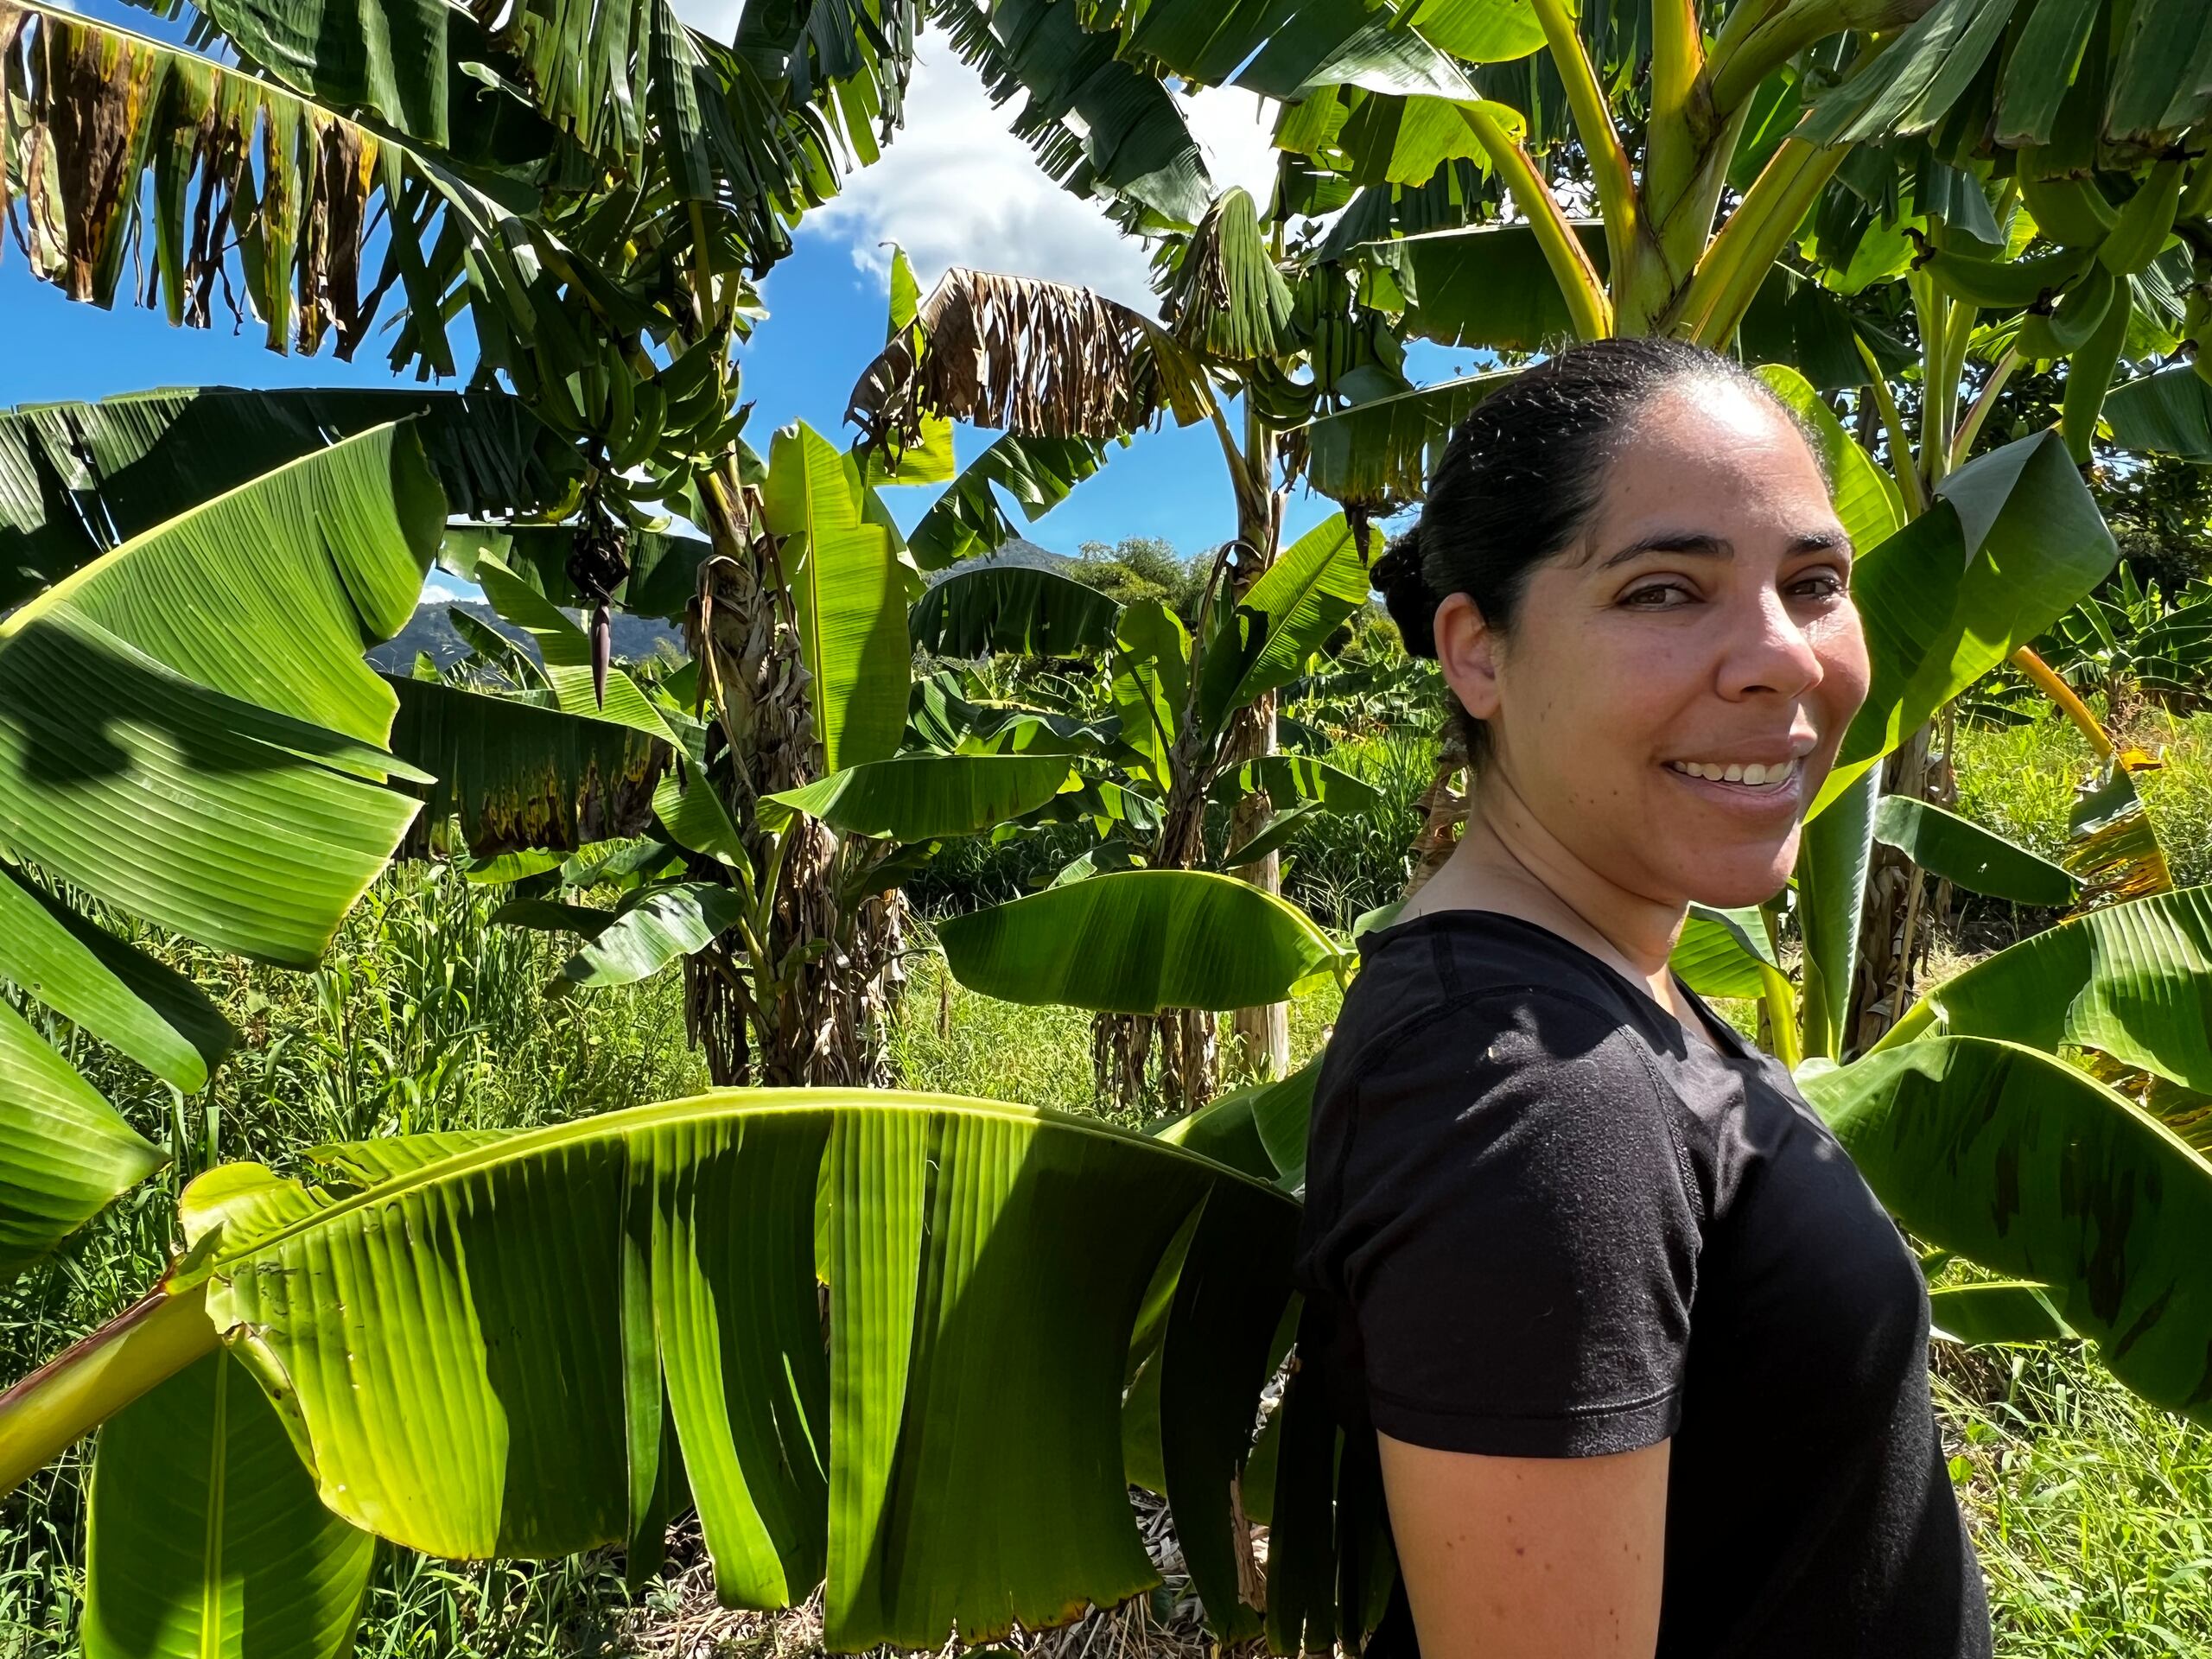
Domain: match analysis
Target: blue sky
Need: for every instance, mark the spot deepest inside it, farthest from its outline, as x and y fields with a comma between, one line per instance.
x=955, y=187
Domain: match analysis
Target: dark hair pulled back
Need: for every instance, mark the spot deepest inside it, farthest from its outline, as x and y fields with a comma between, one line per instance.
x=1523, y=474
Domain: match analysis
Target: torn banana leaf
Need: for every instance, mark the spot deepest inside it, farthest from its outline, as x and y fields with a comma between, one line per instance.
x=77, y=479
x=519, y=775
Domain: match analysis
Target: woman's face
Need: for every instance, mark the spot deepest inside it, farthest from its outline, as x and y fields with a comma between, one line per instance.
x=1674, y=687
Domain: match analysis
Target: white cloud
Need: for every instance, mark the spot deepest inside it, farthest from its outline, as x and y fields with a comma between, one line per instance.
x=444, y=589
x=1237, y=129
x=715, y=17
x=954, y=187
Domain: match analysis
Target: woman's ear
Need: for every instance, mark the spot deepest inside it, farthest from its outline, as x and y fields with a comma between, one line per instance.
x=1466, y=650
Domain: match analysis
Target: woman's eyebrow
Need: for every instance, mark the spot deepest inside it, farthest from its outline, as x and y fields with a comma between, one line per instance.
x=1821, y=541
x=1703, y=544
x=1698, y=542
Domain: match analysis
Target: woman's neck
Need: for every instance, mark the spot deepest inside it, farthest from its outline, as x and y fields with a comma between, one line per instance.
x=1507, y=860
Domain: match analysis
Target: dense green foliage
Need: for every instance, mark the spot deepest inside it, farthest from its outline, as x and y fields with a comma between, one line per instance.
x=2083, y=1499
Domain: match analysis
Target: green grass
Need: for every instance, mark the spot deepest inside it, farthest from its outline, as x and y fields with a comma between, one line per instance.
x=2019, y=781
x=2088, y=1507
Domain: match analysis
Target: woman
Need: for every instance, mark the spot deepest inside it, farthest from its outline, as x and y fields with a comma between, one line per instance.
x=1645, y=1359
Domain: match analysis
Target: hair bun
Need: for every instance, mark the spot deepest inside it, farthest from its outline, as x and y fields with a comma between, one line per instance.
x=1397, y=576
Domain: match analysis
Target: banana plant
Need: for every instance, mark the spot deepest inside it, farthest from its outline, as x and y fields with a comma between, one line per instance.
x=2138, y=639
x=597, y=191
x=1044, y=361
x=2000, y=184
x=1188, y=941
x=1308, y=328
x=831, y=787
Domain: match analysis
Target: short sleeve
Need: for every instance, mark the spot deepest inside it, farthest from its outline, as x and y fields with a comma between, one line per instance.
x=1520, y=1242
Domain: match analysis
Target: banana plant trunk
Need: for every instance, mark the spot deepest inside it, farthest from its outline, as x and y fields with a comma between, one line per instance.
x=816, y=1012
x=1894, y=923
x=1260, y=1035
x=1122, y=1044
x=1444, y=806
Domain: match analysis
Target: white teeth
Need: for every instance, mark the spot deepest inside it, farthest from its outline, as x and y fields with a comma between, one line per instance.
x=1754, y=776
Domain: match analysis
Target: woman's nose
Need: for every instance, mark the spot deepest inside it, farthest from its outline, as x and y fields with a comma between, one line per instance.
x=1770, y=650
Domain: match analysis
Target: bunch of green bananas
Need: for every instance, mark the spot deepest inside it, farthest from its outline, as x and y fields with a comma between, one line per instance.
x=2099, y=246
x=659, y=416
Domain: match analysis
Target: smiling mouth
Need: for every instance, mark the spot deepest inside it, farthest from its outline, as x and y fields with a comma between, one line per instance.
x=1765, y=779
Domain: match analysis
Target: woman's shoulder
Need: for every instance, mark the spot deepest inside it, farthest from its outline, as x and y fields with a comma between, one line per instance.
x=1481, y=973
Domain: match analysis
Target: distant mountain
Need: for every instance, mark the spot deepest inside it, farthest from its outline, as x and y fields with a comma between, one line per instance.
x=635, y=637
x=431, y=630
x=1025, y=555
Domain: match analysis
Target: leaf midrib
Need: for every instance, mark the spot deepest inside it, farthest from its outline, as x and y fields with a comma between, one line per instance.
x=54, y=597
x=733, y=1102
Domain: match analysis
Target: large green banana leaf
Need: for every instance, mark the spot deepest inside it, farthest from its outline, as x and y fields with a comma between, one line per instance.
x=1259, y=1129
x=1385, y=449
x=992, y=608
x=1834, y=853
x=694, y=816
x=850, y=598
x=2009, y=1310
x=1377, y=138
x=1137, y=942
x=150, y=1013
x=2012, y=543
x=1722, y=952
x=1794, y=320
x=1098, y=126
x=1963, y=852
x=2131, y=980
x=188, y=730
x=1487, y=286
x=925, y=797
x=187, y=726
x=482, y=1352
x=1039, y=473
x=77, y=479
x=674, y=921
x=1285, y=617
x=521, y=775
x=1152, y=669
x=2028, y=1165
x=1866, y=498
x=2160, y=72
x=1282, y=52
x=205, y=1539
x=2168, y=413
x=65, y=1152
x=1298, y=778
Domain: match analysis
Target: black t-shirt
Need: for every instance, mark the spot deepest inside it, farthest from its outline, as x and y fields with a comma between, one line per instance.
x=1543, y=1221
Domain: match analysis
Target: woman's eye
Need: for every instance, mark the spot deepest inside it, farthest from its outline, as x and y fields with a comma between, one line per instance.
x=1659, y=596
x=1819, y=584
